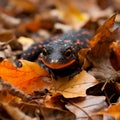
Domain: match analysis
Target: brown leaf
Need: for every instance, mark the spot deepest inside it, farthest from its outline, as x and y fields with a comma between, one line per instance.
x=56, y=100
x=56, y=114
x=83, y=107
x=6, y=36
x=15, y=113
x=109, y=89
x=74, y=16
x=107, y=24
x=104, y=35
x=76, y=86
x=9, y=21
x=115, y=57
x=100, y=52
x=31, y=26
x=23, y=5
x=36, y=24
x=113, y=110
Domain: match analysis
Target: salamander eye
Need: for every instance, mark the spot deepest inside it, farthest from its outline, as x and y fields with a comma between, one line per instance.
x=68, y=53
x=44, y=51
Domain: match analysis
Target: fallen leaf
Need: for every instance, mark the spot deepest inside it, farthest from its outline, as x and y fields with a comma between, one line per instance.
x=56, y=114
x=7, y=11
x=15, y=113
x=23, y=5
x=33, y=26
x=99, y=56
x=26, y=42
x=9, y=21
x=76, y=86
x=6, y=36
x=9, y=92
x=74, y=16
x=36, y=24
x=104, y=35
x=56, y=100
x=108, y=24
x=83, y=107
x=110, y=90
x=30, y=77
x=100, y=52
x=113, y=110
x=115, y=57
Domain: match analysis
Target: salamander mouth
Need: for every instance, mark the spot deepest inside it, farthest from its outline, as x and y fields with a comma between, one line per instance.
x=58, y=65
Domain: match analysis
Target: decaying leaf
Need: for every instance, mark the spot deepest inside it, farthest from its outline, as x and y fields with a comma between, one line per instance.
x=29, y=87
x=33, y=26
x=28, y=78
x=56, y=114
x=113, y=110
x=104, y=37
x=23, y=5
x=15, y=113
x=37, y=24
x=83, y=107
x=26, y=42
x=9, y=21
x=68, y=10
x=76, y=86
x=100, y=52
x=6, y=36
x=56, y=100
x=115, y=57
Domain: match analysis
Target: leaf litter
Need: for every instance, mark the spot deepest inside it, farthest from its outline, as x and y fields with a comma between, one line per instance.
x=29, y=91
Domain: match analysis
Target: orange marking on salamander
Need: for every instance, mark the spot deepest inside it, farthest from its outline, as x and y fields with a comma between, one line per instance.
x=58, y=65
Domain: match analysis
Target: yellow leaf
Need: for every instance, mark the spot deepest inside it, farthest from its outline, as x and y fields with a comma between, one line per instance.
x=75, y=87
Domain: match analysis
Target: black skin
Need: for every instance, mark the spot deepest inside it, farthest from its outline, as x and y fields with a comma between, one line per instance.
x=59, y=54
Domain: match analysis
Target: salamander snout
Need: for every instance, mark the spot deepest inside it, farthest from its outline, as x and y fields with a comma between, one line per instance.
x=57, y=55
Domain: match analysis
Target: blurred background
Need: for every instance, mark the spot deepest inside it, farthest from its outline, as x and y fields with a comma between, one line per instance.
x=27, y=21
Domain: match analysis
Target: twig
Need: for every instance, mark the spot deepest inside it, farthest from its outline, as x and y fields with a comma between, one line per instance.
x=14, y=91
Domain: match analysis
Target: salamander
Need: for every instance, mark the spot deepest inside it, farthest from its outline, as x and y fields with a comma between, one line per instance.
x=59, y=54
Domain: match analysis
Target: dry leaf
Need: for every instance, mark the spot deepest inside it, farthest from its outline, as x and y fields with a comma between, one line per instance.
x=113, y=110
x=56, y=114
x=115, y=57
x=76, y=86
x=36, y=24
x=74, y=16
x=15, y=113
x=104, y=34
x=26, y=42
x=100, y=52
x=83, y=107
x=33, y=26
x=9, y=21
x=56, y=100
x=6, y=36
x=30, y=77
x=23, y=5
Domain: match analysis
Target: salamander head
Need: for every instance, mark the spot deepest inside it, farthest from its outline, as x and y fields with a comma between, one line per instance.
x=58, y=54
